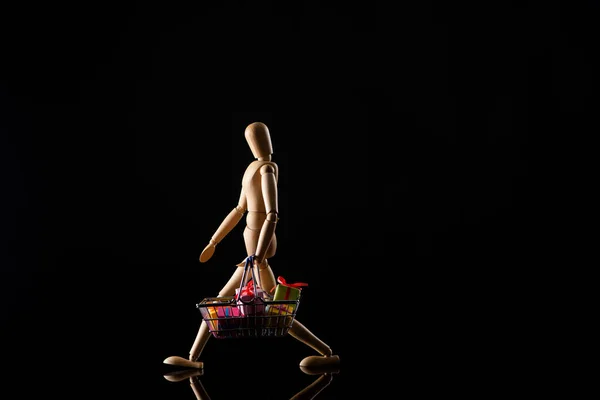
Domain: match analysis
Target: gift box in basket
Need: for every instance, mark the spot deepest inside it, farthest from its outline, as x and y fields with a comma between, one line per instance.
x=285, y=301
x=250, y=299
x=222, y=316
x=280, y=315
x=210, y=316
x=229, y=317
x=287, y=291
x=214, y=311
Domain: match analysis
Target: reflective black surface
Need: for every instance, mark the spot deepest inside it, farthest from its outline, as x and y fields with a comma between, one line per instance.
x=407, y=199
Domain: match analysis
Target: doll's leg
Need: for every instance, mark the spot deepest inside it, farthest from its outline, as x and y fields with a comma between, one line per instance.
x=233, y=283
x=201, y=338
x=204, y=333
x=325, y=360
x=299, y=331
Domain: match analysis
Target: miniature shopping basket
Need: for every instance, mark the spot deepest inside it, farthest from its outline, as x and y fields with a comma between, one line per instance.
x=252, y=312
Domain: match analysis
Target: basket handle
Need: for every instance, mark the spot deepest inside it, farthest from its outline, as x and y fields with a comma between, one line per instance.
x=248, y=265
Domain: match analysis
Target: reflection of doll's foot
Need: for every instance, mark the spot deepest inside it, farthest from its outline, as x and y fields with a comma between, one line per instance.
x=314, y=365
x=182, y=375
x=312, y=390
x=183, y=362
x=198, y=389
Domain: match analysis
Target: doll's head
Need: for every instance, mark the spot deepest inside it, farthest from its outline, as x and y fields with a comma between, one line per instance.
x=259, y=139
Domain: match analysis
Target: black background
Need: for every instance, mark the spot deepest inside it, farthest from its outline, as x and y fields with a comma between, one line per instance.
x=407, y=200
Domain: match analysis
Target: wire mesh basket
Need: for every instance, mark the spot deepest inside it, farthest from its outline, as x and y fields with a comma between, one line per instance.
x=230, y=317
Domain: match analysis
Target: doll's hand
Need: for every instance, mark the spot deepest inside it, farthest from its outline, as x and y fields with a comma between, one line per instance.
x=208, y=252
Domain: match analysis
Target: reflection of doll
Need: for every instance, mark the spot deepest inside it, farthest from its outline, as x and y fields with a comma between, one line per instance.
x=259, y=201
x=308, y=393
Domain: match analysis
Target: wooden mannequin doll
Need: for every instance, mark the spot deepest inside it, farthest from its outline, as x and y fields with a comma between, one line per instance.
x=259, y=199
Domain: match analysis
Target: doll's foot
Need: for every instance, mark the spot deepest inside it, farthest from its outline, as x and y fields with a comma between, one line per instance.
x=316, y=365
x=183, y=362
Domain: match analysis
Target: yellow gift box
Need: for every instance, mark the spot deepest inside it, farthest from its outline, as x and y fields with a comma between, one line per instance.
x=212, y=321
x=280, y=315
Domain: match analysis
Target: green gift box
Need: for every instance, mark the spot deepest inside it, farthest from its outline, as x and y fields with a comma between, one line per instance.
x=283, y=292
x=287, y=291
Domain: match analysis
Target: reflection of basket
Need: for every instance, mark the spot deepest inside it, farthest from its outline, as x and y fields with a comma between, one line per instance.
x=262, y=317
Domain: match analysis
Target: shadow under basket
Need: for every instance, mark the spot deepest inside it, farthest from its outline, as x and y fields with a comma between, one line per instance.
x=229, y=318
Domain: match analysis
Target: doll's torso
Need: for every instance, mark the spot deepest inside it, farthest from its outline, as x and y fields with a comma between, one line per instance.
x=255, y=204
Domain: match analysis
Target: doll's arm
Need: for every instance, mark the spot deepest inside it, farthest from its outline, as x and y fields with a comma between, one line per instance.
x=230, y=221
x=269, y=192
